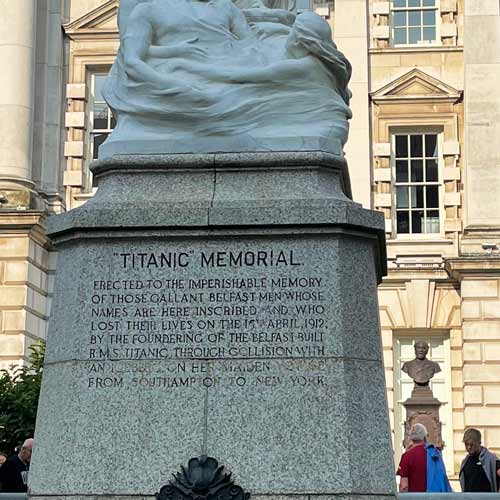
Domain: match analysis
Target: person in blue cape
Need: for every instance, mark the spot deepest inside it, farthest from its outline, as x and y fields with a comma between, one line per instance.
x=437, y=480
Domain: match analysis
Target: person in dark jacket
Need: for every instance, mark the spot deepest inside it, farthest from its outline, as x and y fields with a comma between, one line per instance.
x=14, y=472
x=480, y=469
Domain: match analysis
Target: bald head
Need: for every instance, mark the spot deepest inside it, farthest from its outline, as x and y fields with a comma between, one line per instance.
x=26, y=449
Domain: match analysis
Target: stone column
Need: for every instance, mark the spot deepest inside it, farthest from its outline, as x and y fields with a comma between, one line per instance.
x=17, y=37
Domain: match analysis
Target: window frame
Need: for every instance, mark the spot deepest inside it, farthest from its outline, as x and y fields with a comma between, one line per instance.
x=420, y=43
x=419, y=130
x=92, y=73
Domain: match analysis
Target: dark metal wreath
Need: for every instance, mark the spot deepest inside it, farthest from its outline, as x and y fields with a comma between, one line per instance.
x=203, y=479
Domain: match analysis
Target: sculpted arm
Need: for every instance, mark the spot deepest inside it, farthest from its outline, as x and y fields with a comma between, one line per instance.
x=283, y=70
x=124, y=11
x=181, y=49
x=136, y=43
x=239, y=25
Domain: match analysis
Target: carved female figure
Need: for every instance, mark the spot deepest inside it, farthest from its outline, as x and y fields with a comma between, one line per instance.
x=190, y=69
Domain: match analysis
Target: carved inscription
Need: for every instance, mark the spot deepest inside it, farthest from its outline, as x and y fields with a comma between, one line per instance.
x=207, y=319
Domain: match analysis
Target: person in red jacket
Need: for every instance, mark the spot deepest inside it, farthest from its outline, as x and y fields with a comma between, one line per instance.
x=413, y=465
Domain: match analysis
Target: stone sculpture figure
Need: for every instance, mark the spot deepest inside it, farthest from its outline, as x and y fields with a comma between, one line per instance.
x=421, y=369
x=192, y=72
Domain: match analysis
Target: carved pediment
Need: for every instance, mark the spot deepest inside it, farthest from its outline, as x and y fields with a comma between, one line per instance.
x=416, y=85
x=100, y=23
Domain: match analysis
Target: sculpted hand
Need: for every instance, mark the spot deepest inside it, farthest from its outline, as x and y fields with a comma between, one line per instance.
x=187, y=48
x=188, y=93
x=214, y=74
x=181, y=49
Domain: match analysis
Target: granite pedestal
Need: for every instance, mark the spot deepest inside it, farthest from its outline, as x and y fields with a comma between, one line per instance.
x=219, y=304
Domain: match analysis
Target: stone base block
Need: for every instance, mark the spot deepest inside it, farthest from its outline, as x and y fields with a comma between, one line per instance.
x=229, y=316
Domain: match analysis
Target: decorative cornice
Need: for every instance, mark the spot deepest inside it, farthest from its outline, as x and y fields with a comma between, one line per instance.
x=432, y=89
x=416, y=49
x=87, y=27
x=29, y=222
x=473, y=265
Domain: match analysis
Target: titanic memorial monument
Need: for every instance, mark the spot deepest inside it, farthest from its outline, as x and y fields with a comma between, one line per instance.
x=215, y=307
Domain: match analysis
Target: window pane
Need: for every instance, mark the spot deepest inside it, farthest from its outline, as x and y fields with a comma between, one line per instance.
x=417, y=197
x=417, y=219
x=399, y=18
x=431, y=171
x=403, y=224
x=400, y=35
x=431, y=145
x=429, y=3
x=429, y=34
x=100, y=116
x=401, y=171
x=98, y=83
x=98, y=140
x=413, y=35
x=414, y=18
x=416, y=146
x=399, y=3
x=401, y=146
x=432, y=196
x=414, y=3
x=432, y=222
x=402, y=197
x=417, y=171
x=429, y=17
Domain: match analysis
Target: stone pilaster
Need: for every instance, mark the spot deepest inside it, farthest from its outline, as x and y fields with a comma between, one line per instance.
x=480, y=290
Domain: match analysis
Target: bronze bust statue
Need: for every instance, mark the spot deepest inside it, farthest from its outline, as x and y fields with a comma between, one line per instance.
x=421, y=369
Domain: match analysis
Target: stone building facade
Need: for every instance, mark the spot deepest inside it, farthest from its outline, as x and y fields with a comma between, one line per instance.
x=423, y=149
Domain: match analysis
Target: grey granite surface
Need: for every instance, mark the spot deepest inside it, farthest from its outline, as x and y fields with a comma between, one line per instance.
x=255, y=340
x=113, y=148
x=470, y=496
x=350, y=267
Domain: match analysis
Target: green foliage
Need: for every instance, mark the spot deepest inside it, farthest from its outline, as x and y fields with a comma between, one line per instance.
x=19, y=391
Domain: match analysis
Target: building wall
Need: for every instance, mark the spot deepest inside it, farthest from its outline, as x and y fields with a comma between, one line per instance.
x=444, y=284
x=478, y=265
x=26, y=274
x=31, y=112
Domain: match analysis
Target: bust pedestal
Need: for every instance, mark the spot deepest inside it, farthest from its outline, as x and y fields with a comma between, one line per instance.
x=423, y=408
